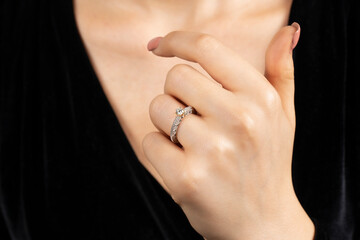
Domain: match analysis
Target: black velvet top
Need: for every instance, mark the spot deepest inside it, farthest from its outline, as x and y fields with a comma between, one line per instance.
x=67, y=170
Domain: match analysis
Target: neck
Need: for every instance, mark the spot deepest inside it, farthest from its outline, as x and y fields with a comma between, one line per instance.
x=194, y=11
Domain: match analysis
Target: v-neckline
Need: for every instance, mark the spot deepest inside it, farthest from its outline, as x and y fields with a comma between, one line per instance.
x=95, y=80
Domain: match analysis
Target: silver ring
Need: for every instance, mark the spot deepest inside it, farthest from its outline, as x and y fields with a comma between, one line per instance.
x=180, y=114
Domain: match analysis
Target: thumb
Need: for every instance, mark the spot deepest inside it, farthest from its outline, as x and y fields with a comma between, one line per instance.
x=279, y=67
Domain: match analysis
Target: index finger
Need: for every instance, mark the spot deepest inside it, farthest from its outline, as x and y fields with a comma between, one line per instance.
x=222, y=64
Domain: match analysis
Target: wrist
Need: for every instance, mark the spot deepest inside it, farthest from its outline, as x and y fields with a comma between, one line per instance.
x=289, y=222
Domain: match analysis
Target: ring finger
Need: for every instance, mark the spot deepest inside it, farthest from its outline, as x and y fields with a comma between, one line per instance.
x=162, y=114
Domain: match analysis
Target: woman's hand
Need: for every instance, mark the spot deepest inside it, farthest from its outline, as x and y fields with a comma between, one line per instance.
x=232, y=175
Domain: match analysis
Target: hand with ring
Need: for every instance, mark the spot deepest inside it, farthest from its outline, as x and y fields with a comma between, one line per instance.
x=231, y=171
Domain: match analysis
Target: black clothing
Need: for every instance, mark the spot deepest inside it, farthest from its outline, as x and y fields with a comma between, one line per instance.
x=67, y=170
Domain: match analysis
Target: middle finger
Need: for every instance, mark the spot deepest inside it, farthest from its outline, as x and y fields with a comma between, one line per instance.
x=193, y=88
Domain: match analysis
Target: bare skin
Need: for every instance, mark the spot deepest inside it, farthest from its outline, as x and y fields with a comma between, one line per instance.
x=116, y=34
x=116, y=39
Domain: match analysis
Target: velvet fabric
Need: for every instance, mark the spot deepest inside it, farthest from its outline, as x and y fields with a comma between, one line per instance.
x=67, y=170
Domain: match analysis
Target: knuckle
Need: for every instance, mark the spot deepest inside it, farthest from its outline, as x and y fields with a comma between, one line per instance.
x=219, y=149
x=176, y=76
x=171, y=38
x=156, y=106
x=239, y=117
x=272, y=100
x=147, y=142
x=242, y=121
x=188, y=186
x=205, y=43
x=247, y=122
x=178, y=71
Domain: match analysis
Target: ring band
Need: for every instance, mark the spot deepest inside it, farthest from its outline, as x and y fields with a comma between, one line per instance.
x=180, y=114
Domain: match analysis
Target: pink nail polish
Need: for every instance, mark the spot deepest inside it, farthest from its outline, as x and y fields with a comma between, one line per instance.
x=153, y=43
x=296, y=36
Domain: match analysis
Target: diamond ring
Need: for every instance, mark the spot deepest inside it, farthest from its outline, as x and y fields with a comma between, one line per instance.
x=180, y=114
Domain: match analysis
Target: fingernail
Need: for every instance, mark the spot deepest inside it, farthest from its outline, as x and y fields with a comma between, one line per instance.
x=153, y=43
x=296, y=36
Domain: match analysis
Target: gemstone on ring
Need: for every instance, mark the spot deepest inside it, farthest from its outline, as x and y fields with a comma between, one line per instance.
x=180, y=114
x=180, y=111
